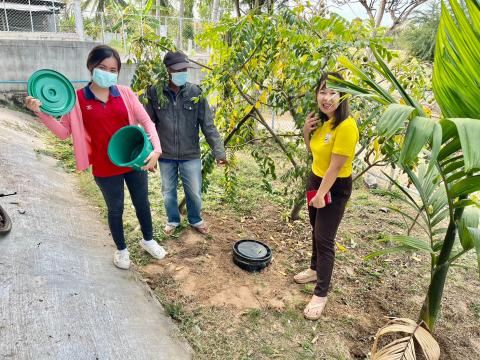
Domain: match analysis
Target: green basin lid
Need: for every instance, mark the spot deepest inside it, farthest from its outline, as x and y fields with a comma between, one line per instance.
x=54, y=90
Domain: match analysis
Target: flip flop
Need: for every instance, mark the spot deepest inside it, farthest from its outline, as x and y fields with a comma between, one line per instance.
x=305, y=277
x=314, y=312
x=202, y=229
x=169, y=229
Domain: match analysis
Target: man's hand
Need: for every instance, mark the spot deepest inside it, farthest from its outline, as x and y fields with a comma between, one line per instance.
x=151, y=161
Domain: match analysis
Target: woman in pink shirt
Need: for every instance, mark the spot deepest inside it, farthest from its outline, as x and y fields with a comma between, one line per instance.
x=101, y=109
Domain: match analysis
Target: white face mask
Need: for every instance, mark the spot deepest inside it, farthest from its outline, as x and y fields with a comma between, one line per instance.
x=103, y=78
x=180, y=78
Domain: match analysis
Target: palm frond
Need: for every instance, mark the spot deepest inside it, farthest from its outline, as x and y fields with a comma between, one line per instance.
x=417, y=339
x=457, y=60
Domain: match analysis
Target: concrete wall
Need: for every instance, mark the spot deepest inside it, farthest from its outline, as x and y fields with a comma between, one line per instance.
x=23, y=56
x=20, y=58
x=37, y=35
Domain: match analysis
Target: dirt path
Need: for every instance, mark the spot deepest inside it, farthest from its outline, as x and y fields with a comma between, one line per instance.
x=60, y=295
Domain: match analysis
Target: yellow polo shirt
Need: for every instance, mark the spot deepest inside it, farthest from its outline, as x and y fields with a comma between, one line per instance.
x=326, y=141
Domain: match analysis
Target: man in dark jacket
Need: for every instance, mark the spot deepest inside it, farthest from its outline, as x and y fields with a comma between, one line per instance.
x=178, y=124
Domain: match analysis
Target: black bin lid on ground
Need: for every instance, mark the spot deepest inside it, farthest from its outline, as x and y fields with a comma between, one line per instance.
x=252, y=249
x=251, y=255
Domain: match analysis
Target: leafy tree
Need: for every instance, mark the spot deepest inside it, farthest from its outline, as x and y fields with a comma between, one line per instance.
x=399, y=10
x=449, y=178
x=419, y=36
x=271, y=63
x=99, y=6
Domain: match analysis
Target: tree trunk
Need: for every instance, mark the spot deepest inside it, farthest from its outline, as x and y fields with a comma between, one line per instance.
x=297, y=206
x=380, y=13
x=257, y=7
x=393, y=175
x=271, y=6
x=433, y=300
x=181, y=13
x=158, y=4
x=215, y=10
x=237, y=8
x=367, y=8
x=322, y=8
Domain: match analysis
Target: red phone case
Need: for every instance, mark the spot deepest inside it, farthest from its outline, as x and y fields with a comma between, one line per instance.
x=312, y=193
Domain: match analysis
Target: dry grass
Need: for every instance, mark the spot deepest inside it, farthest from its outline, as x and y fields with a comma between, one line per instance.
x=226, y=313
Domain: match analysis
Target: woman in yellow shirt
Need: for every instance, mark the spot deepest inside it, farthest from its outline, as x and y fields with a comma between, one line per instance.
x=331, y=136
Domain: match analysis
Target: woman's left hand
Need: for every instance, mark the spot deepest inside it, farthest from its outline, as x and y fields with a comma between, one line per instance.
x=151, y=161
x=318, y=201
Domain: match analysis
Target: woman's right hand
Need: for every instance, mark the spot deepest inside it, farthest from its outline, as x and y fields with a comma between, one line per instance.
x=33, y=104
x=311, y=123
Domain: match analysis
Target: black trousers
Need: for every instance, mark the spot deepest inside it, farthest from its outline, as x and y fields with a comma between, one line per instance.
x=325, y=222
x=112, y=188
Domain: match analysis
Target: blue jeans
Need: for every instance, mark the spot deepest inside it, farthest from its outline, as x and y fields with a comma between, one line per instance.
x=112, y=188
x=191, y=174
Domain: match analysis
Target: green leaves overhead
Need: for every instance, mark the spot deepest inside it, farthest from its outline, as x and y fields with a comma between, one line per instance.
x=466, y=186
x=265, y=65
x=466, y=226
x=385, y=71
x=469, y=133
x=469, y=232
x=456, y=75
x=420, y=130
x=382, y=94
x=393, y=119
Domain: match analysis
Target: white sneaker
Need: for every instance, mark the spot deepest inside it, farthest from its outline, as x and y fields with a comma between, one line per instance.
x=152, y=247
x=121, y=259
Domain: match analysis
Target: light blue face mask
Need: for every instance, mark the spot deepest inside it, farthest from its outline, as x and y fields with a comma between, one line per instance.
x=103, y=78
x=180, y=78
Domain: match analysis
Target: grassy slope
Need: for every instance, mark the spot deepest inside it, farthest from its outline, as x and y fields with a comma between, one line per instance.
x=362, y=294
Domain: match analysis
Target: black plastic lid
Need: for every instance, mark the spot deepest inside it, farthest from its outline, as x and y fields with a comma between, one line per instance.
x=251, y=255
x=252, y=249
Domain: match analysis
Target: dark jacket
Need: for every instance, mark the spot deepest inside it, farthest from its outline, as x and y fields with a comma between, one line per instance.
x=178, y=123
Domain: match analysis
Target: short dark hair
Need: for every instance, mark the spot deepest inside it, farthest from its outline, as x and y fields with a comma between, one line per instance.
x=100, y=53
x=343, y=110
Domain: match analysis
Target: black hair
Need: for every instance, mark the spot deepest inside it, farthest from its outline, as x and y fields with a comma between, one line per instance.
x=343, y=111
x=100, y=53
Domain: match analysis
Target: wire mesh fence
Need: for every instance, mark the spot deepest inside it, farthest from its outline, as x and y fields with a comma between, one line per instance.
x=113, y=28
x=118, y=29
x=36, y=16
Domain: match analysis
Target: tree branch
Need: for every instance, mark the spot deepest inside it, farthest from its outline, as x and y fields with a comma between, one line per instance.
x=276, y=138
x=263, y=138
x=368, y=9
x=237, y=8
x=380, y=13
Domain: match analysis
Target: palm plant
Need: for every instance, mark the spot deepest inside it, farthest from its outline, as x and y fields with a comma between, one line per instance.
x=448, y=180
x=99, y=6
x=135, y=19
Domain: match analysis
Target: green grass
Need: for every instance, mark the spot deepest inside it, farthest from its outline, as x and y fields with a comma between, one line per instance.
x=219, y=333
x=308, y=289
x=174, y=310
x=475, y=307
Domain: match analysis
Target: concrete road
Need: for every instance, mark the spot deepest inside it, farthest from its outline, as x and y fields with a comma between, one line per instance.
x=60, y=295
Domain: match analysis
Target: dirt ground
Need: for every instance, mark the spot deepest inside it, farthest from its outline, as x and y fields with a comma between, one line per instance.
x=228, y=313
x=199, y=270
